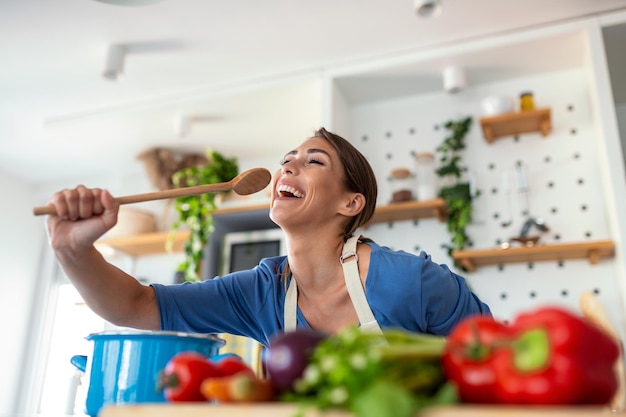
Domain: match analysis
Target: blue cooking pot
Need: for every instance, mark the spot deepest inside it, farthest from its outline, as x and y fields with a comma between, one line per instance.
x=124, y=366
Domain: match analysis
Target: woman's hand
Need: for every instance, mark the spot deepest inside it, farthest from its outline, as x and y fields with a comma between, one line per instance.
x=83, y=215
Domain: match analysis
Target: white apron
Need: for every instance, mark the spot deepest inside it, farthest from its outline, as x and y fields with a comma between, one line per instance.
x=348, y=261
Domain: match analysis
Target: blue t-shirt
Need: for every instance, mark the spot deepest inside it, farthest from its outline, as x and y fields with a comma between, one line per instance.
x=403, y=290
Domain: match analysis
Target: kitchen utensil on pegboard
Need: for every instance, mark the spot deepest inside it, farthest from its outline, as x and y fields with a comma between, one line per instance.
x=506, y=190
x=522, y=187
x=530, y=221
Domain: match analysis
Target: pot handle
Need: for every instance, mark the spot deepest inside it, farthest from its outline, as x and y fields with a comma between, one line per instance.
x=220, y=356
x=80, y=362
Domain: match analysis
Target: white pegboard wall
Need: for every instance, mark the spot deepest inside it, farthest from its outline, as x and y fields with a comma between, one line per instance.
x=564, y=188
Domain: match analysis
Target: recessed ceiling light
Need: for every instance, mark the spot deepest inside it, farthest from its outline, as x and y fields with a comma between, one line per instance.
x=129, y=2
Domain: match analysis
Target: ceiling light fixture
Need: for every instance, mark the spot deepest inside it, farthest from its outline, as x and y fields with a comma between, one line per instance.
x=115, y=62
x=454, y=79
x=183, y=123
x=428, y=8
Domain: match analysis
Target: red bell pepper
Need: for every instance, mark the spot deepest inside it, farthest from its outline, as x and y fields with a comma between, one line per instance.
x=548, y=356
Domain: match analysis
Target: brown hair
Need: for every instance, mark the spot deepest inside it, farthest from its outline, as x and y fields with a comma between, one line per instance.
x=358, y=177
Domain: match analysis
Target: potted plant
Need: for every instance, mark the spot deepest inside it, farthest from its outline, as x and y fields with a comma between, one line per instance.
x=196, y=212
x=456, y=191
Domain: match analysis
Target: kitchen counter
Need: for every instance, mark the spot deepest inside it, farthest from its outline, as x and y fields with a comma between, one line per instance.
x=290, y=410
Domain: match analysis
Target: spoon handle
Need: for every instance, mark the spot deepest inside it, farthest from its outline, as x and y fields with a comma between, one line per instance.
x=176, y=192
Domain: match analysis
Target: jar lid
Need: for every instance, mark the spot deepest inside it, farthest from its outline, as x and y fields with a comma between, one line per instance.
x=525, y=93
x=400, y=173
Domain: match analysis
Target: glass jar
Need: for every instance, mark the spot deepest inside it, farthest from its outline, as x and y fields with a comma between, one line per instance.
x=526, y=101
x=426, y=176
x=401, y=185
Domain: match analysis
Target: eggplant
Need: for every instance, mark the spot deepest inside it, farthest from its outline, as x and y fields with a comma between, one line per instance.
x=288, y=354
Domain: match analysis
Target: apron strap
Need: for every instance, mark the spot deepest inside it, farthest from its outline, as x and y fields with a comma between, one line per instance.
x=291, y=306
x=349, y=261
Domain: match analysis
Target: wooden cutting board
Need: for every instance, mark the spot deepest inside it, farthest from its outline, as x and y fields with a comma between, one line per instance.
x=290, y=410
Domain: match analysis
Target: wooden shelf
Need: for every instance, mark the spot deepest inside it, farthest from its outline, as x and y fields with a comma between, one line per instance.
x=410, y=210
x=144, y=244
x=508, y=124
x=593, y=251
x=154, y=243
x=407, y=210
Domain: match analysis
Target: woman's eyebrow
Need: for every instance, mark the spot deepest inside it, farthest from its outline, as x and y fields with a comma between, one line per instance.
x=309, y=151
x=316, y=150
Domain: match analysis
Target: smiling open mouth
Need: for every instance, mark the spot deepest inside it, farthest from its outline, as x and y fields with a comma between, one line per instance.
x=287, y=191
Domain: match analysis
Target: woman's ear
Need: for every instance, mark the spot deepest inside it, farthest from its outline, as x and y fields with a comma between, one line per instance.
x=353, y=205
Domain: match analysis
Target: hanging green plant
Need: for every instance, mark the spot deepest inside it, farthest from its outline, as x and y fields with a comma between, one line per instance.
x=196, y=212
x=456, y=192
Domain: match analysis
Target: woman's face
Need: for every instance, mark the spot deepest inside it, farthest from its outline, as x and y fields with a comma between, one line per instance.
x=308, y=188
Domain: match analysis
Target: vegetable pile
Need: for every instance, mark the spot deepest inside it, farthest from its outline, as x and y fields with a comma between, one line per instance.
x=373, y=375
x=548, y=356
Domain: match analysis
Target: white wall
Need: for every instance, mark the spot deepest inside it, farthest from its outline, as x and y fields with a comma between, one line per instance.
x=22, y=237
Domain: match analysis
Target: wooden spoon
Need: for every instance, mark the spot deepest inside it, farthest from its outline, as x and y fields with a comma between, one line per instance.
x=248, y=182
x=594, y=311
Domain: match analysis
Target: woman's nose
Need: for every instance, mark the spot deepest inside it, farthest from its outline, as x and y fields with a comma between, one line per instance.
x=289, y=168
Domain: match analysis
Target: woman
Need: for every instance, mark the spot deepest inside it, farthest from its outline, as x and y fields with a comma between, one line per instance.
x=324, y=191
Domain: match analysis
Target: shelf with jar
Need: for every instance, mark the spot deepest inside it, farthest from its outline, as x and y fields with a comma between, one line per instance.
x=515, y=123
x=594, y=251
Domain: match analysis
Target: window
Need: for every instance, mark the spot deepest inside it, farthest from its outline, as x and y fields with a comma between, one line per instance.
x=62, y=389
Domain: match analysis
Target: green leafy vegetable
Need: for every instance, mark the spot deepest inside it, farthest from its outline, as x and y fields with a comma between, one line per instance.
x=371, y=375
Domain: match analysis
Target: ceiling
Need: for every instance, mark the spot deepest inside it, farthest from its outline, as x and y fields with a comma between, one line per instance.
x=60, y=119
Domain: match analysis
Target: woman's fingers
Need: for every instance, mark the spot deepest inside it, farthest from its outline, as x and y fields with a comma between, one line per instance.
x=81, y=202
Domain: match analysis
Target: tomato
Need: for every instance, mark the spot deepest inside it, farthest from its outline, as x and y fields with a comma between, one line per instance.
x=231, y=365
x=183, y=375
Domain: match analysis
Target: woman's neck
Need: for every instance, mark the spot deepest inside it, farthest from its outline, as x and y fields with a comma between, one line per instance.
x=314, y=262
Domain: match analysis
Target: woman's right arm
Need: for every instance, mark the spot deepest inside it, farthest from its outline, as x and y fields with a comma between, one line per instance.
x=82, y=216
